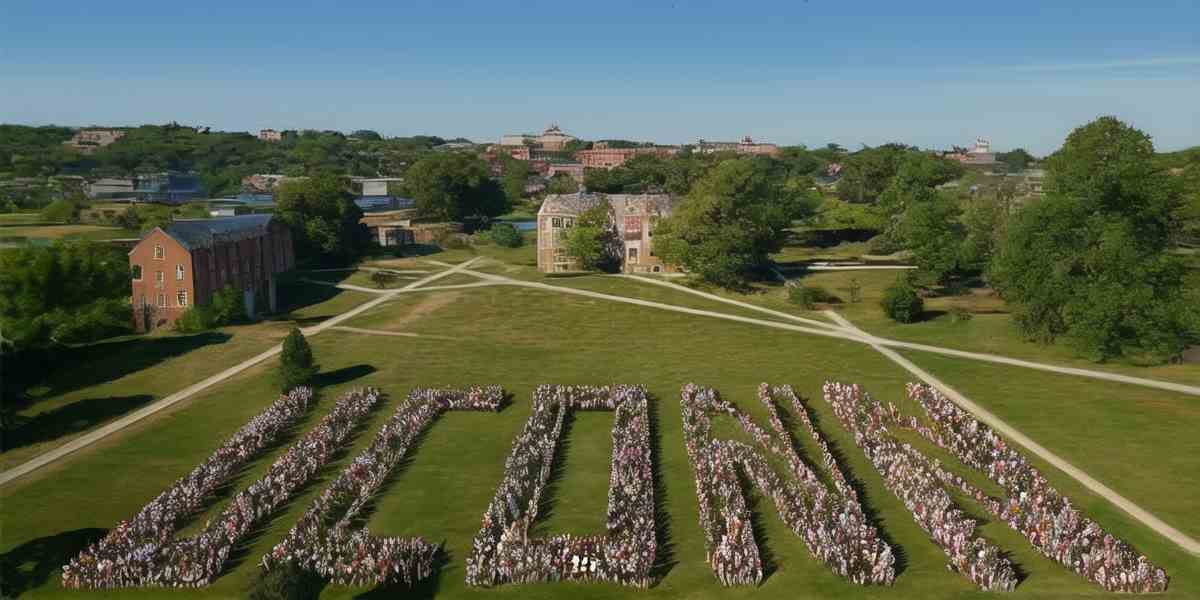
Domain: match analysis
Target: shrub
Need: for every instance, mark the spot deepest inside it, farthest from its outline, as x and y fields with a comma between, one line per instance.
x=296, y=362
x=504, y=234
x=807, y=296
x=195, y=319
x=286, y=582
x=454, y=241
x=382, y=279
x=228, y=305
x=883, y=244
x=901, y=302
x=959, y=314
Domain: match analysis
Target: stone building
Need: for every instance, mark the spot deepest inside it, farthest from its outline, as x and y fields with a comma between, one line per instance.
x=269, y=135
x=88, y=140
x=746, y=146
x=631, y=217
x=575, y=170
x=183, y=264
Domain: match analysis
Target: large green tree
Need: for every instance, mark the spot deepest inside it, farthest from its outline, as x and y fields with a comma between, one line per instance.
x=455, y=186
x=592, y=241
x=323, y=217
x=1089, y=261
x=729, y=224
x=65, y=293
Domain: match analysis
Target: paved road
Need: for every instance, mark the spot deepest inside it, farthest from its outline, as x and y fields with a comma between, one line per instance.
x=862, y=336
x=100, y=433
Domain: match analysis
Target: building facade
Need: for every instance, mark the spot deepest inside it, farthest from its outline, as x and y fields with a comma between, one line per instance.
x=746, y=146
x=88, y=140
x=574, y=170
x=611, y=158
x=269, y=135
x=185, y=263
x=631, y=216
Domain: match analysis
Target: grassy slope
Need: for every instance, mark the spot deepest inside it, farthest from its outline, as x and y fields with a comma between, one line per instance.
x=122, y=375
x=520, y=338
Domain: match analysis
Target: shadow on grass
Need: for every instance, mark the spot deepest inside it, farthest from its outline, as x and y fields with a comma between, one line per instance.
x=869, y=511
x=664, y=559
x=64, y=370
x=757, y=526
x=65, y=420
x=558, y=467
x=33, y=563
x=342, y=375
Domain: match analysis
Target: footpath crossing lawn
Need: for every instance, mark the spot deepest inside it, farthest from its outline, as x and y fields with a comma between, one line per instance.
x=519, y=338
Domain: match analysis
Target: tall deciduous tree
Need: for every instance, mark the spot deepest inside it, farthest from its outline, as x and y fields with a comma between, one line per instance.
x=455, y=187
x=730, y=223
x=592, y=241
x=323, y=217
x=1089, y=261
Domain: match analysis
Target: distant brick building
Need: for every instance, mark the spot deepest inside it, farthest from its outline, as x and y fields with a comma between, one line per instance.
x=269, y=135
x=746, y=146
x=183, y=264
x=632, y=217
x=575, y=170
x=611, y=158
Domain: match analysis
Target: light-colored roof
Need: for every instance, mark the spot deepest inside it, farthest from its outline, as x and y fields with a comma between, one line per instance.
x=576, y=203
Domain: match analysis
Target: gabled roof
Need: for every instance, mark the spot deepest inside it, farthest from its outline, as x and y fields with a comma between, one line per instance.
x=205, y=233
x=577, y=203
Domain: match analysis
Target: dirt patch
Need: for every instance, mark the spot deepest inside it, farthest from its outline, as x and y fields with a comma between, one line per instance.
x=428, y=305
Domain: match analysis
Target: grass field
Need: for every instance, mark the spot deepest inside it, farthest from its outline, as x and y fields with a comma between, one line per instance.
x=520, y=338
x=65, y=231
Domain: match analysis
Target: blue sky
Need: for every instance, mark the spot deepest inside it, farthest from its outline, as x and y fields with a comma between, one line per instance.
x=850, y=71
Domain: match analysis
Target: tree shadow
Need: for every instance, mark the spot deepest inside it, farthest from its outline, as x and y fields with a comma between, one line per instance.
x=664, y=559
x=66, y=369
x=65, y=420
x=342, y=375
x=33, y=563
x=418, y=250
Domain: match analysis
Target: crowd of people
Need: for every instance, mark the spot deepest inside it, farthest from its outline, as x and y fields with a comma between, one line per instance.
x=324, y=542
x=916, y=481
x=1033, y=507
x=142, y=551
x=503, y=552
x=831, y=522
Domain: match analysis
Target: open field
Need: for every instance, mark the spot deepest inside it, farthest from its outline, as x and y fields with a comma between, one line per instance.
x=64, y=231
x=520, y=338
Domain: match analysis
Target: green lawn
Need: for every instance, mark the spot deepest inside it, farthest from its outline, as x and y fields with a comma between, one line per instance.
x=520, y=338
x=95, y=384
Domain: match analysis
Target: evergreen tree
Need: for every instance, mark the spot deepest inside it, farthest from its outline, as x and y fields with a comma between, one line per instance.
x=296, y=362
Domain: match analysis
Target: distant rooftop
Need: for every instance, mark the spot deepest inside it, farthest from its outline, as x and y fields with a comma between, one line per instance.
x=204, y=233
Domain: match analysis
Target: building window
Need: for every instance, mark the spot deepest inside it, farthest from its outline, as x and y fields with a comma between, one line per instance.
x=633, y=255
x=556, y=222
x=158, y=277
x=657, y=268
x=568, y=222
x=136, y=272
x=159, y=253
x=162, y=300
x=178, y=272
x=181, y=297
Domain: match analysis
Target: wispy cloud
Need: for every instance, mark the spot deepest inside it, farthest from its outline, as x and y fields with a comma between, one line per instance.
x=1112, y=65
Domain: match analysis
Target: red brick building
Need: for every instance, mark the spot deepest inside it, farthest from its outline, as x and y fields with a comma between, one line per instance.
x=610, y=158
x=183, y=264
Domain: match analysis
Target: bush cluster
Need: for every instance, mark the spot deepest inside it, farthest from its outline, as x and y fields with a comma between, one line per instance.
x=901, y=302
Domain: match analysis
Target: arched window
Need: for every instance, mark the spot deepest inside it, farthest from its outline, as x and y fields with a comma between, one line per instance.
x=136, y=272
